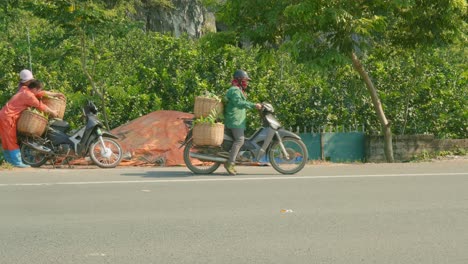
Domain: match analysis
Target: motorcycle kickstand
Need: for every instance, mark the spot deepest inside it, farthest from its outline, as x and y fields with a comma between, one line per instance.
x=53, y=162
x=67, y=161
x=63, y=162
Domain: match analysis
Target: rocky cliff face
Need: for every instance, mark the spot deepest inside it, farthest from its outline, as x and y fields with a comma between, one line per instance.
x=185, y=17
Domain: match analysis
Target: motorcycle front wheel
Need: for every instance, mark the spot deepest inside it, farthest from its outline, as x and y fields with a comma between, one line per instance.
x=33, y=157
x=108, y=155
x=198, y=166
x=295, y=160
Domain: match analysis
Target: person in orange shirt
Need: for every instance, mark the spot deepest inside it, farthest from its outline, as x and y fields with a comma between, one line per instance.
x=27, y=96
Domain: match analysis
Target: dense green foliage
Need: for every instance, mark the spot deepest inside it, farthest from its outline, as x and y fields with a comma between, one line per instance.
x=91, y=51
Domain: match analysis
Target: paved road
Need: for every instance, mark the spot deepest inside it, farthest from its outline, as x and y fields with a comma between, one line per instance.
x=371, y=213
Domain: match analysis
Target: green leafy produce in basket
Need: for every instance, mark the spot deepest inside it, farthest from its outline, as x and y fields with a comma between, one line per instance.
x=208, y=94
x=39, y=112
x=213, y=118
x=61, y=98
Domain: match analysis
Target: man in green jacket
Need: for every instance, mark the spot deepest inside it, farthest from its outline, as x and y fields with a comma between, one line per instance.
x=234, y=114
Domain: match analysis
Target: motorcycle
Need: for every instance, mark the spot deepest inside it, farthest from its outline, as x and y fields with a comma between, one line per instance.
x=272, y=144
x=56, y=143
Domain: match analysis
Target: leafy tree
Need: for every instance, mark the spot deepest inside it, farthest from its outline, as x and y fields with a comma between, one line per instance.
x=81, y=20
x=347, y=29
x=311, y=84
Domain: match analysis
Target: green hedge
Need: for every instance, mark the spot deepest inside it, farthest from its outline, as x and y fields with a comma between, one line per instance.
x=139, y=72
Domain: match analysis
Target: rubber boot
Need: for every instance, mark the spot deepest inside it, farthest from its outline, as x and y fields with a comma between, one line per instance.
x=6, y=156
x=15, y=156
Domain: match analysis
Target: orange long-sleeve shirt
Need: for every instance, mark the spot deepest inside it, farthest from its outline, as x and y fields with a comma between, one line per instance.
x=21, y=101
x=11, y=112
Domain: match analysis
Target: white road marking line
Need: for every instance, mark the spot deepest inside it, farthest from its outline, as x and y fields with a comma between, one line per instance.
x=96, y=255
x=259, y=178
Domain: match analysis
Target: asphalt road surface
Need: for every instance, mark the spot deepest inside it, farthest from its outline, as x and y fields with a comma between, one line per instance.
x=333, y=213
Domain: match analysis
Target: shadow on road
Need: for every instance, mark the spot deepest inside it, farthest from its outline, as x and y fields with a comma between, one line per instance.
x=177, y=174
x=185, y=173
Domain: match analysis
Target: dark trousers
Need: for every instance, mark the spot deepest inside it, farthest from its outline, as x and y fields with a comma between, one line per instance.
x=238, y=135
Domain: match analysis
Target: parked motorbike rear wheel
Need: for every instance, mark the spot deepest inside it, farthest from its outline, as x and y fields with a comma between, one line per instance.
x=297, y=152
x=33, y=157
x=108, y=156
x=198, y=166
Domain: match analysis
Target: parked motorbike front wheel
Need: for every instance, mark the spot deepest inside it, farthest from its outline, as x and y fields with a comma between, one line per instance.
x=198, y=166
x=106, y=154
x=32, y=157
x=295, y=160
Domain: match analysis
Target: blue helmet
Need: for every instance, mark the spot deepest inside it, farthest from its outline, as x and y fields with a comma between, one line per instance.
x=241, y=74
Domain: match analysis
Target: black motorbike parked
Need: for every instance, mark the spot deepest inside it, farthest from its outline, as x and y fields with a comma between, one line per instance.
x=90, y=140
x=283, y=149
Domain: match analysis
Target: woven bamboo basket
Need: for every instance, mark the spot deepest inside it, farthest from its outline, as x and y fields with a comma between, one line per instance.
x=204, y=106
x=56, y=104
x=205, y=134
x=31, y=123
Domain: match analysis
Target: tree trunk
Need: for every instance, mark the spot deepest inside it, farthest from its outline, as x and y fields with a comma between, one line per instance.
x=385, y=124
x=91, y=80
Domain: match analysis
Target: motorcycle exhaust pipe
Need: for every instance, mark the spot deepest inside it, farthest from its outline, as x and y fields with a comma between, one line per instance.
x=207, y=157
x=37, y=147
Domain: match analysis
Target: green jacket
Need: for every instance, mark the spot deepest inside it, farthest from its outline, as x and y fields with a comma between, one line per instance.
x=235, y=104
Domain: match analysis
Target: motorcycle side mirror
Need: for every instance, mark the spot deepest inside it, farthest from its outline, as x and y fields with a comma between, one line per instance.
x=267, y=107
x=92, y=107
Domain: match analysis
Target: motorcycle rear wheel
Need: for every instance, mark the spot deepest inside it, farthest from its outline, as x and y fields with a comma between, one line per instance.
x=297, y=152
x=109, y=157
x=33, y=157
x=198, y=166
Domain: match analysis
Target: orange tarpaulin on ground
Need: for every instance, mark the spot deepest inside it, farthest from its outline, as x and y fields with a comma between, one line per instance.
x=153, y=139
